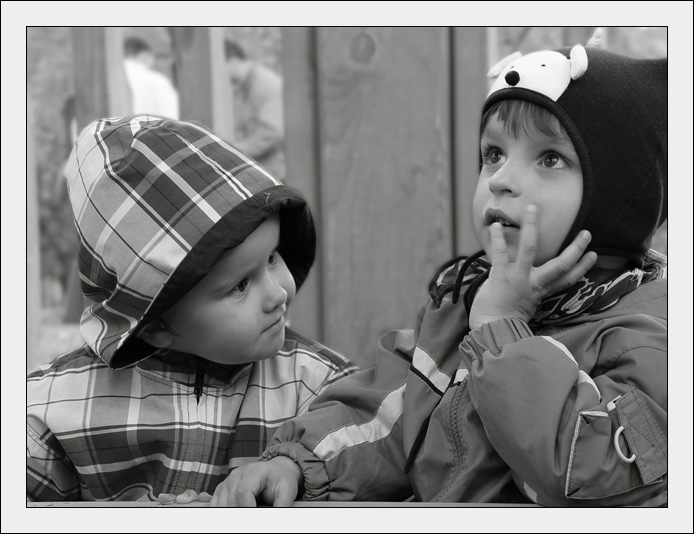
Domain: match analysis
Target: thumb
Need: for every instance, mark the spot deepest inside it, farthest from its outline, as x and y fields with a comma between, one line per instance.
x=284, y=493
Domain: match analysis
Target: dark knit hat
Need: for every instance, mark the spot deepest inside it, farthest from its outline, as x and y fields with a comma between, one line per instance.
x=614, y=109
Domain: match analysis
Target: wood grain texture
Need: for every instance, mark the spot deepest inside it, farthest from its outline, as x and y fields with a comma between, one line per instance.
x=469, y=92
x=101, y=88
x=385, y=171
x=205, y=93
x=302, y=157
x=33, y=254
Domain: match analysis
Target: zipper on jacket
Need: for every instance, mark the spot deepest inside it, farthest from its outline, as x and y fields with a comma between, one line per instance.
x=454, y=417
x=199, y=379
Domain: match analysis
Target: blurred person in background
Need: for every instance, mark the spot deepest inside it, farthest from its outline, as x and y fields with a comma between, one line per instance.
x=152, y=91
x=257, y=104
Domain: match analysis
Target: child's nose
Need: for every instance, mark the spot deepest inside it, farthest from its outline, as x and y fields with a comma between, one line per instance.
x=276, y=293
x=505, y=180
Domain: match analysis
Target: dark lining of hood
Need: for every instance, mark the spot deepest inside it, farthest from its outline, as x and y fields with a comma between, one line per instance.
x=297, y=247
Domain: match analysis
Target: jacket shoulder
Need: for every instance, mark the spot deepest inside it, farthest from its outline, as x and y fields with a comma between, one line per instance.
x=296, y=342
x=77, y=360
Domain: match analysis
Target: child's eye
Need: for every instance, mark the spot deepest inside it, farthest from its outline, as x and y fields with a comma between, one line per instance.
x=272, y=260
x=240, y=288
x=551, y=160
x=491, y=156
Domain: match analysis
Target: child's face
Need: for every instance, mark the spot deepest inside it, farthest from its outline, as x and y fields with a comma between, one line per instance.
x=237, y=313
x=534, y=168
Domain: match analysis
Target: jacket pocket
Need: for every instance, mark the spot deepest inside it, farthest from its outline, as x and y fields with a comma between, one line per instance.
x=603, y=463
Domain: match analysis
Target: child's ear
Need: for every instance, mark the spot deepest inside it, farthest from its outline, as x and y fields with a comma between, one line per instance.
x=157, y=334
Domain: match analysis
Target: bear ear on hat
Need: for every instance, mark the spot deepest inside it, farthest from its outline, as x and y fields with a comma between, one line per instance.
x=501, y=65
x=579, y=61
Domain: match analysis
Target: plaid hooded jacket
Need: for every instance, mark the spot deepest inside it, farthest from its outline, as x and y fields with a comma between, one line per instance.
x=156, y=203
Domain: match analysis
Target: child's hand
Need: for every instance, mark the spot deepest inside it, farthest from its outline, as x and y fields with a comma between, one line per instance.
x=186, y=497
x=516, y=289
x=276, y=481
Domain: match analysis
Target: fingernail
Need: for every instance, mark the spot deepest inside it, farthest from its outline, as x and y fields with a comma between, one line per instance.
x=531, y=208
x=586, y=235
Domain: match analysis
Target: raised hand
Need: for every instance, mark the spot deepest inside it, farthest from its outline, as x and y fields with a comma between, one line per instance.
x=275, y=481
x=516, y=289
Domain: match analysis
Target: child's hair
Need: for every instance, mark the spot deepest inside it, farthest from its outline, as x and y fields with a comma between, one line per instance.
x=523, y=117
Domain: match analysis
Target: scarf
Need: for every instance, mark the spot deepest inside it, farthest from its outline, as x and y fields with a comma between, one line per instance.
x=598, y=290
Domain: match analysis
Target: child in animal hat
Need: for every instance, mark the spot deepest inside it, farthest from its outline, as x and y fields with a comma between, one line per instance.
x=537, y=370
x=190, y=256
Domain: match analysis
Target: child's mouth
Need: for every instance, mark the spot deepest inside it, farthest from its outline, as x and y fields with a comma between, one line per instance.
x=508, y=225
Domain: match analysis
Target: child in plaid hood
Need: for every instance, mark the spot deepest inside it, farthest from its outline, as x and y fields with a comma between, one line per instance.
x=537, y=370
x=190, y=256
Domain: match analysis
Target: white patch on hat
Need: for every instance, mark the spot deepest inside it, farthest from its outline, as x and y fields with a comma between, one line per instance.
x=547, y=72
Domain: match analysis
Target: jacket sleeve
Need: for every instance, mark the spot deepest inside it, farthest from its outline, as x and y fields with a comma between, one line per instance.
x=349, y=444
x=50, y=474
x=571, y=439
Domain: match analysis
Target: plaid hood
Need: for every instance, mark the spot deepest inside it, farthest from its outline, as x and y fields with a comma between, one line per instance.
x=156, y=202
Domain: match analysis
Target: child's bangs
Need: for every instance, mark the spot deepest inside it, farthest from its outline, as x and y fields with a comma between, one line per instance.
x=523, y=117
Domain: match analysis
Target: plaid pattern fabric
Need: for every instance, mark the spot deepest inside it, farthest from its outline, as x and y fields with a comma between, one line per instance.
x=98, y=434
x=144, y=191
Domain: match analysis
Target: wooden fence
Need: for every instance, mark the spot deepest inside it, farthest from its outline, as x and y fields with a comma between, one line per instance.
x=381, y=137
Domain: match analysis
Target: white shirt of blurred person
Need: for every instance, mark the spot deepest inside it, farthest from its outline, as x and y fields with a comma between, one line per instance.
x=152, y=91
x=257, y=107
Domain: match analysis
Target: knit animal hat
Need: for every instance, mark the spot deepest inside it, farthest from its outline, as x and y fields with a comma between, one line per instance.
x=156, y=202
x=614, y=109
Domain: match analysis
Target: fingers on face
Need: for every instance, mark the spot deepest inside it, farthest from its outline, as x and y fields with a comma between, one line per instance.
x=499, y=250
x=527, y=249
x=568, y=268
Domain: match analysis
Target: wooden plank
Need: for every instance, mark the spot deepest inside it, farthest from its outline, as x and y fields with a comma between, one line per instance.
x=469, y=92
x=33, y=253
x=574, y=35
x=384, y=119
x=101, y=90
x=301, y=152
x=204, y=90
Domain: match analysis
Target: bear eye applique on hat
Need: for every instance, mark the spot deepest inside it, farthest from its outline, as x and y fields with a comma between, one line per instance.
x=547, y=72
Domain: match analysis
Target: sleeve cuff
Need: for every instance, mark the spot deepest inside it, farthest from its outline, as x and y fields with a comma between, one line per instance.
x=494, y=335
x=316, y=483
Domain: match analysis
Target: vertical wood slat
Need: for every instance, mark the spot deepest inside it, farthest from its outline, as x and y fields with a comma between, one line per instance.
x=101, y=90
x=204, y=91
x=301, y=152
x=469, y=92
x=33, y=254
x=384, y=119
